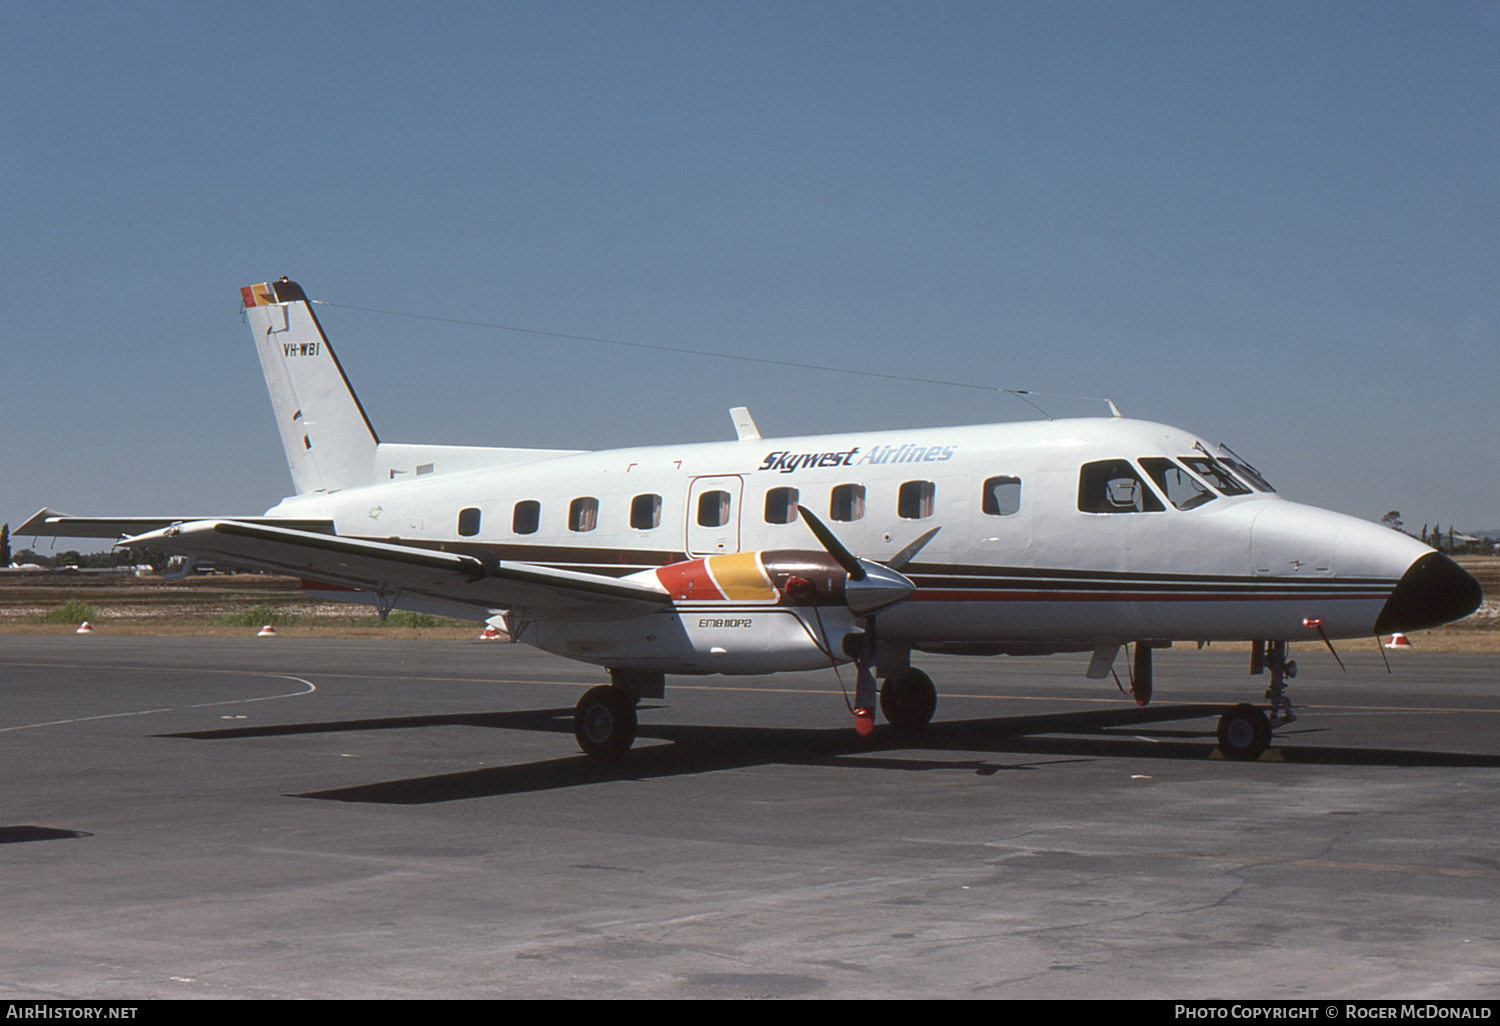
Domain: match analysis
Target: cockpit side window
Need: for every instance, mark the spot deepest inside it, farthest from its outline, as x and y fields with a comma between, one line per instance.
x=1212, y=471
x=1114, y=486
x=1182, y=489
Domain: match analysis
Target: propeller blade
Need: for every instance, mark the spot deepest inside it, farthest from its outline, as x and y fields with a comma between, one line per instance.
x=841, y=555
x=870, y=587
x=903, y=557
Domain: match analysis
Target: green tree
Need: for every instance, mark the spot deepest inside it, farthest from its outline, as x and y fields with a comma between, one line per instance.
x=5, y=545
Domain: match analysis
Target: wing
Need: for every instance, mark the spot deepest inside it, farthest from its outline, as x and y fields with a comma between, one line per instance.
x=51, y=524
x=390, y=569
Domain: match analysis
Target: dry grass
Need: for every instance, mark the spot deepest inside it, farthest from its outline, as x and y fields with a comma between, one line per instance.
x=214, y=606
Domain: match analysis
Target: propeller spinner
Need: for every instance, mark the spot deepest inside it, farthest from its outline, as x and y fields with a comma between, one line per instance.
x=871, y=586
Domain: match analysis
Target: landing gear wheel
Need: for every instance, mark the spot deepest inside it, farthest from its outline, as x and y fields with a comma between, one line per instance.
x=1244, y=733
x=908, y=700
x=604, y=722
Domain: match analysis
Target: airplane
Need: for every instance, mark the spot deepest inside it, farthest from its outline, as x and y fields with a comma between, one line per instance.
x=759, y=555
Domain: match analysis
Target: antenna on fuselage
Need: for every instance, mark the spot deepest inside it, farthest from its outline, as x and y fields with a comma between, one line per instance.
x=1113, y=409
x=744, y=424
x=1021, y=394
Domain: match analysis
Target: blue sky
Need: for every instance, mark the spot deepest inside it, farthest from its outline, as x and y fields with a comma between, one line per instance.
x=1274, y=224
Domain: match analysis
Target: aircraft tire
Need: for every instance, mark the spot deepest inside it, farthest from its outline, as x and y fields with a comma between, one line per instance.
x=604, y=722
x=908, y=700
x=1244, y=733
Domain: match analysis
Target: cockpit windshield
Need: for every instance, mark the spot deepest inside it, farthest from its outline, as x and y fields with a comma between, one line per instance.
x=1182, y=489
x=1212, y=471
x=1244, y=470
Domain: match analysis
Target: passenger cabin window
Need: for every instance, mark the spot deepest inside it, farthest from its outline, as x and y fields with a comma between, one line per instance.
x=468, y=522
x=847, y=503
x=781, y=505
x=1212, y=471
x=713, y=509
x=914, y=501
x=1113, y=486
x=1182, y=489
x=527, y=517
x=645, y=512
x=583, y=514
x=1002, y=496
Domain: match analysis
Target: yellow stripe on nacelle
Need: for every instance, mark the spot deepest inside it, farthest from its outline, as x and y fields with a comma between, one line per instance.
x=742, y=578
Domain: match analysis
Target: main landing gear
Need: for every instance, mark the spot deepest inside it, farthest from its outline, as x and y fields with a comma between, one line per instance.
x=906, y=695
x=1245, y=730
x=908, y=699
x=604, y=721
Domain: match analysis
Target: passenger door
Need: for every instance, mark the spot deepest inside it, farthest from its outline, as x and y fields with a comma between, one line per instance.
x=713, y=515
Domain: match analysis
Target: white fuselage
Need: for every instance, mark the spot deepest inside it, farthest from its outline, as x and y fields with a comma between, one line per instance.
x=1031, y=571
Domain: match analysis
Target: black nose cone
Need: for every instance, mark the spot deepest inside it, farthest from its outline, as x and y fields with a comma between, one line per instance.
x=1433, y=591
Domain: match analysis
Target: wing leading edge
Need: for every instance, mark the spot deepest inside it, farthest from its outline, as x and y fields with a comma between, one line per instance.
x=48, y=523
x=404, y=570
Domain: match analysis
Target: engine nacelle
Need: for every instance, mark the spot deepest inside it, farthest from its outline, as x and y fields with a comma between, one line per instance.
x=703, y=639
x=788, y=577
x=741, y=613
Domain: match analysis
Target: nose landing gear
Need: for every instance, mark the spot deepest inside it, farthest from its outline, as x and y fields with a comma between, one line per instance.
x=1245, y=731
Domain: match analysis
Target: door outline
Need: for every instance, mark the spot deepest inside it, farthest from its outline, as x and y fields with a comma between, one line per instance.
x=712, y=541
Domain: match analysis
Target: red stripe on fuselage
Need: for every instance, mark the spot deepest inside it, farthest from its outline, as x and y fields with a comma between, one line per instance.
x=1144, y=596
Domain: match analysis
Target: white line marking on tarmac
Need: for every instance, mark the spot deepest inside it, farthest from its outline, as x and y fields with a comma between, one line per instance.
x=309, y=689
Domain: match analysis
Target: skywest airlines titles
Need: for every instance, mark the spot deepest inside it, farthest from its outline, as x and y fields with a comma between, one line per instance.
x=786, y=462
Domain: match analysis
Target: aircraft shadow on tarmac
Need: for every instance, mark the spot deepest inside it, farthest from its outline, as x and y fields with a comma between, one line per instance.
x=1108, y=734
x=22, y=833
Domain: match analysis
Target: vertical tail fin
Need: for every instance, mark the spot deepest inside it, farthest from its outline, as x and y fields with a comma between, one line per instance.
x=329, y=441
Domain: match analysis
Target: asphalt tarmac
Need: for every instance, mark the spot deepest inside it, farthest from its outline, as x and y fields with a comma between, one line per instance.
x=294, y=818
